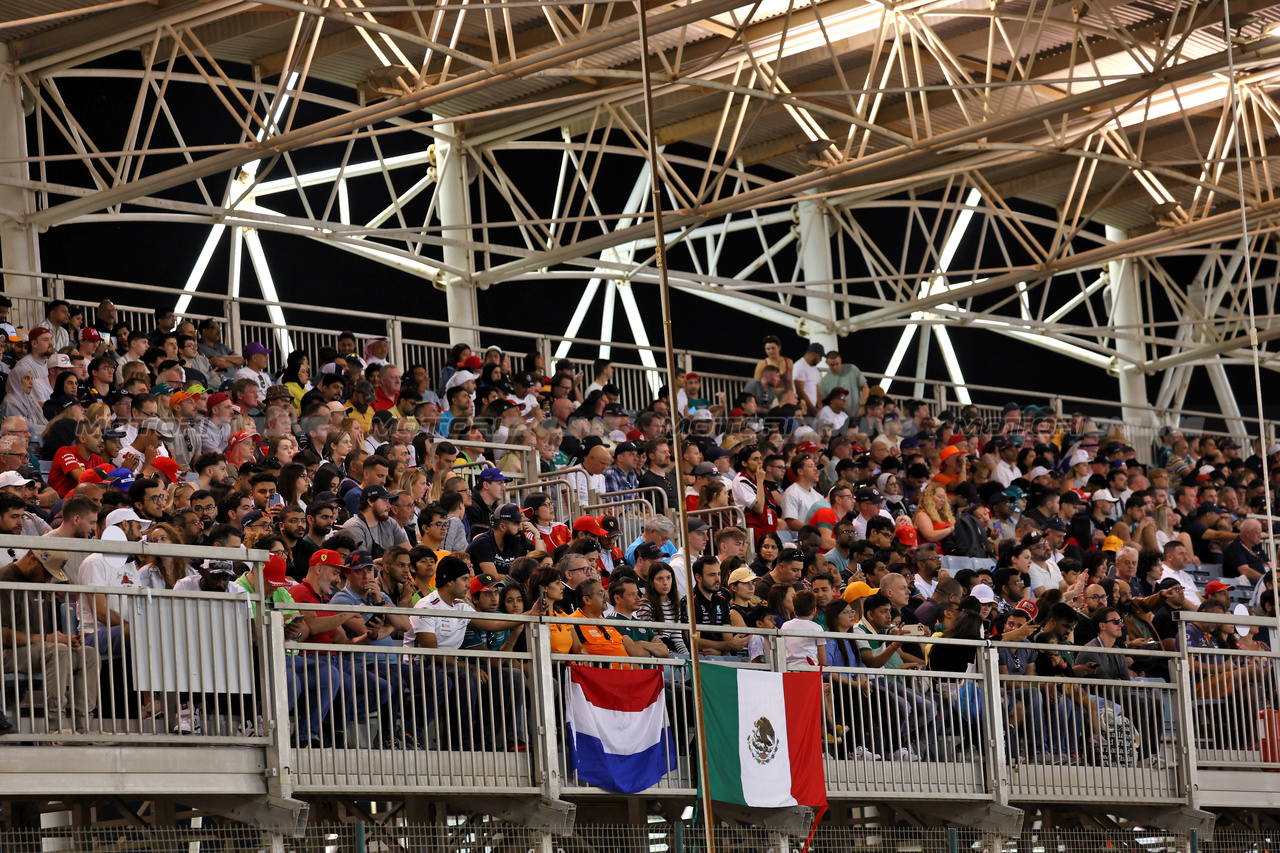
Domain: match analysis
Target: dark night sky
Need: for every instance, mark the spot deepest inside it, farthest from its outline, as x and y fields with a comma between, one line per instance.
x=304, y=271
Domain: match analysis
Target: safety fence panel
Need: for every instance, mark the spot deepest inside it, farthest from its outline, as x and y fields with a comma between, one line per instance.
x=1235, y=708
x=1091, y=739
x=905, y=731
x=631, y=513
x=395, y=718
x=178, y=667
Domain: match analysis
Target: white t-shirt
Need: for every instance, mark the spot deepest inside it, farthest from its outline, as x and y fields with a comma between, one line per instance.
x=801, y=651
x=1006, y=473
x=796, y=501
x=925, y=588
x=808, y=375
x=527, y=403
x=262, y=380
x=191, y=583
x=96, y=571
x=1188, y=584
x=860, y=523
x=1045, y=577
x=449, y=632
x=836, y=419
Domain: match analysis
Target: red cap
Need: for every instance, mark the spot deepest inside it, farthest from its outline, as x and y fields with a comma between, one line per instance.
x=37, y=332
x=635, y=435
x=1216, y=586
x=165, y=465
x=687, y=376
x=90, y=334
x=327, y=557
x=807, y=447
x=956, y=439
x=472, y=362
x=239, y=436
x=907, y=535
x=91, y=476
x=737, y=413
x=273, y=571
x=588, y=524
x=1028, y=607
x=216, y=398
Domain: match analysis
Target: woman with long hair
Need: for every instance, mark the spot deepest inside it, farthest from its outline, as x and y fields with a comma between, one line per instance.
x=546, y=588
x=326, y=479
x=934, y=519
x=661, y=603
x=282, y=447
x=713, y=495
x=781, y=598
x=414, y=482
x=293, y=483
x=767, y=551
x=162, y=572
x=750, y=492
x=337, y=447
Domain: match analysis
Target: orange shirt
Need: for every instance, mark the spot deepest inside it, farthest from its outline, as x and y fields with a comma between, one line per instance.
x=599, y=639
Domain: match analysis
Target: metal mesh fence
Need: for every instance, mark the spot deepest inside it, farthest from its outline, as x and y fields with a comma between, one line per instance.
x=486, y=835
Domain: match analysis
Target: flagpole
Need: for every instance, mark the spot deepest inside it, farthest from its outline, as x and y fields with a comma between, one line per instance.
x=664, y=290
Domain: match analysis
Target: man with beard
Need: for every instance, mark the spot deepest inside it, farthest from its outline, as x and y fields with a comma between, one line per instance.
x=319, y=524
x=291, y=524
x=211, y=472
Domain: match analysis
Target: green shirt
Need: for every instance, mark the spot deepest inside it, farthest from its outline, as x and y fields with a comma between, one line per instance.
x=278, y=596
x=849, y=378
x=637, y=634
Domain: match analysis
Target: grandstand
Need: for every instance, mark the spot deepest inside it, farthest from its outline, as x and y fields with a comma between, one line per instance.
x=303, y=561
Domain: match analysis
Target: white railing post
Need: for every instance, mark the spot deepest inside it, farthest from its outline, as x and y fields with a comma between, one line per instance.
x=395, y=341
x=547, y=756
x=235, y=335
x=1185, y=726
x=276, y=704
x=993, y=720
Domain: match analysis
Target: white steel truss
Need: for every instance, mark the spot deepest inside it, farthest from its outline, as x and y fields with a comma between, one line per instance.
x=986, y=165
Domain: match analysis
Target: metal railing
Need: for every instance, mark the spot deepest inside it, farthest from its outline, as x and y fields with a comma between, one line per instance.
x=633, y=379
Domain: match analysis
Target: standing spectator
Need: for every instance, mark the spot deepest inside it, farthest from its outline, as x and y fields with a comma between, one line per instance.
x=846, y=376
x=806, y=377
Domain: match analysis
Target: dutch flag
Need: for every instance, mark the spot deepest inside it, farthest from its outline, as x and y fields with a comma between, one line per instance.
x=618, y=733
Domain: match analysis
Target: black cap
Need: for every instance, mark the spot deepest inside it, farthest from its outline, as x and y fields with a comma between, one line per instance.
x=1056, y=524
x=613, y=409
x=376, y=493
x=1207, y=507
x=525, y=379
x=610, y=524
x=867, y=493
x=648, y=550
x=508, y=512
x=696, y=525
x=1033, y=538
x=1070, y=497
x=998, y=497
x=1168, y=583
x=628, y=447
x=845, y=465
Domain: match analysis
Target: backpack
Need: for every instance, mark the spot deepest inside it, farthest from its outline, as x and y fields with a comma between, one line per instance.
x=969, y=538
x=1118, y=747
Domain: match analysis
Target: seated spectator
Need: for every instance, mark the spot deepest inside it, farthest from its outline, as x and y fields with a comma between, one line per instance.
x=494, y=550
x=624, y=597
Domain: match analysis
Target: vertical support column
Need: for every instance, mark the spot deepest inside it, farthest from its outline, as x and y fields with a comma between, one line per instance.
x=395, y=341
x=815, y=258
x=235, y=335
x=1126, y=310
x=19, y=245
x=455, y=219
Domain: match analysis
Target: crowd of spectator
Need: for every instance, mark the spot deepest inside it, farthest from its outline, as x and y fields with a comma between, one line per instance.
x=378, y=485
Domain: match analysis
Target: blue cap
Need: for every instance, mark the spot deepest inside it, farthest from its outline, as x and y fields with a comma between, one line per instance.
x=123, y=478
x=494, y=475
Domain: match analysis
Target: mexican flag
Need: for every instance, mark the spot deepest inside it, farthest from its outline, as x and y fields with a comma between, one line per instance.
x=764, y=736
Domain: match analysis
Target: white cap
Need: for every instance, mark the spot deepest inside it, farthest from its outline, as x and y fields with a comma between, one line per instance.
x=460, y=377
x=983, y=593
x=705, y=415
x=1038, y=471
x=1104, y=495
x=120, y=516
x=12, y=478
x=1080, y=456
